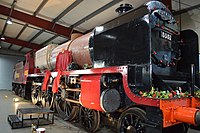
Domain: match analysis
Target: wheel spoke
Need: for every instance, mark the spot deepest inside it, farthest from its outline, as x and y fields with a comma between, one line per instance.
x=47, y=99
x=90, y=119
x=126, y=121
x=136, y=122
x=65, y=108
x=90, y=123
x=35, y=95
x=68, y=109
x=131, y=119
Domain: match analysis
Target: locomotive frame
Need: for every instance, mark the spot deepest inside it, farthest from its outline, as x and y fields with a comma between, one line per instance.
x=123, y=87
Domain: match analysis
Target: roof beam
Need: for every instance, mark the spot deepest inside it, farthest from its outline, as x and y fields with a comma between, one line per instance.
x=20, y=49
x=44, y=24
x=10, y=52
x=9, y=13
x=186, y=9
x=49, y=40
x=63, y=42
x=21, y=31
x=19, y=34
x=34, y=37
x=34, y=14
x=21, y=43
x=113, y=2
x=68, y=9
x=40, y=7
x=10, y=46
x=6, y=24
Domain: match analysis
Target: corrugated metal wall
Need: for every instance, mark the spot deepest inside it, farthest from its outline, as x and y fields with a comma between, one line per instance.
x=6, y=70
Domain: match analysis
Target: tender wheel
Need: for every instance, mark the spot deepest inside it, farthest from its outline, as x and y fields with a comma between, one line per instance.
x=66, y=110
x=130, y=121
x=21, y=91
x=47, y=99
x=35, y=96
x=90, y=119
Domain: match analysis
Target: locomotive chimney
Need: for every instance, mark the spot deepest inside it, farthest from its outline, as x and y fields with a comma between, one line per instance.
x=123, y=8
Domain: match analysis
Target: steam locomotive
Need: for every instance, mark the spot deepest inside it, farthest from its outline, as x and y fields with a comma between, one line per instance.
x=136, y=73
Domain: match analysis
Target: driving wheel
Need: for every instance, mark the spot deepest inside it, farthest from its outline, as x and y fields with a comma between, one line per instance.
x=131, y=120
x=90, y=119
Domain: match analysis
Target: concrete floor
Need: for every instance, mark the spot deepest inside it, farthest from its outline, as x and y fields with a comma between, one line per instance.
x=7, y=107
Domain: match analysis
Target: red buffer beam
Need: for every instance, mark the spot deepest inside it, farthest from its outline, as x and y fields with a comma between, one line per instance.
x=44, y=24
x=22, y=43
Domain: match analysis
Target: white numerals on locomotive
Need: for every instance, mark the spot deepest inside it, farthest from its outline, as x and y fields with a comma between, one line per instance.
x=165, y=35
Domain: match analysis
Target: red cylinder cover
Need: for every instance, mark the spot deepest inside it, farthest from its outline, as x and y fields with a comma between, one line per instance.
x=90, y=92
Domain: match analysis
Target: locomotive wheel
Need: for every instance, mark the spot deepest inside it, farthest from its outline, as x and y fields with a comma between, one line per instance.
x=66, y=110
x=20, y=91
x=23, y=91
x=47, y=99
x=130, y=121
x=35, y=96
x=16, y=89
x=90, y=119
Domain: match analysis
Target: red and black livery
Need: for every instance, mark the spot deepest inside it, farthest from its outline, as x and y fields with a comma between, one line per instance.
x=136, y=73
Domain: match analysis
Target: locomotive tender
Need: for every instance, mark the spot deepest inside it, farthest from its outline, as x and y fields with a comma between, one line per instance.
x=137, y=73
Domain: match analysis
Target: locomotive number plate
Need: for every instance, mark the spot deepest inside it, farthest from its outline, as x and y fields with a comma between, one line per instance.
x=165, y=35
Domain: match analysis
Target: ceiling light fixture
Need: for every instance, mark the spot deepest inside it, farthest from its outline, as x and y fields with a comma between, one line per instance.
x=9, y=21
x=2, y=37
